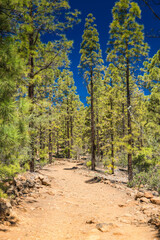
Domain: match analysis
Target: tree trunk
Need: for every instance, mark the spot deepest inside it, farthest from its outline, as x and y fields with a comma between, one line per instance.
x=93, y=147
x=98, y=140
x=31, y=126
x=71, y=124
x=112, y=137
x=130, y=170
x=41, y=142
x=31, y=93
x=68, y=132
x=50, y=142
x=57, y=144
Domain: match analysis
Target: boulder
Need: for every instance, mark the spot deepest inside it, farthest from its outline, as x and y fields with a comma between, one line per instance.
x=139, y=195
x=145, y=200
x=155, y=200
x=45, y=180
x=5, y=208
x=148, y=195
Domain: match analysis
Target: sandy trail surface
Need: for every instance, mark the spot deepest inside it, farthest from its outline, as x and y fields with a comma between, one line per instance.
x=71, y=208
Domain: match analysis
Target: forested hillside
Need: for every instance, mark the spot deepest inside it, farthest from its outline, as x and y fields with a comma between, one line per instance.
x=41, y=115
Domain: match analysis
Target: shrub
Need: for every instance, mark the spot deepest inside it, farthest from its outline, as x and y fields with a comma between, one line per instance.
x=142, y=163
x=150, y=179
x=9, y=171
x=2, y=194
x=89, y=164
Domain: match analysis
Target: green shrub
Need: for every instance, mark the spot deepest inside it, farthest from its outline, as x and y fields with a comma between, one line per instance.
x=150, y=179
x=9, y=171
x=89, y=164
x=142, y=163
x=2, y=194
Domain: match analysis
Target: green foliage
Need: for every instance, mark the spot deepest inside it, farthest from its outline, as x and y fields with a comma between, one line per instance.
x=142, y=163
x=91, y=56
x=150, y=179
x=2, y=194
x=89, y=164
x=9, y=172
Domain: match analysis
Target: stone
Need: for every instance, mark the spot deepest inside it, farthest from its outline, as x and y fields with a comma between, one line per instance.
x=118, y=233
x=145, y=200
x=104, y=227
x=50, y=193
x=155, y=220
x=155, y=193
x=90, y=221
x=139, y=195
x=126, y=221
x=5, y=208
x=44, y=180
x=127, y=215
x=155, y=200
x=13, y=219
x=148, y=195
x=121, y=205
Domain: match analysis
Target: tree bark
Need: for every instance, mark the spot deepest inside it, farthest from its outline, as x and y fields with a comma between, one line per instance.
x=97, y=136
x=130, y=170
x=93, y=147
x=57, y=144
x=31, y=92
x=71, y=124
x=112, y=137
x=50, y=147
x=68, y=132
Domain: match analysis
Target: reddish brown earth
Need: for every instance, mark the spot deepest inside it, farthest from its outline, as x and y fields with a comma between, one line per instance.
x=71, y=209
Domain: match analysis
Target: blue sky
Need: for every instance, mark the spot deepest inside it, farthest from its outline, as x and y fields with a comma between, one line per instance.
x=101, y=10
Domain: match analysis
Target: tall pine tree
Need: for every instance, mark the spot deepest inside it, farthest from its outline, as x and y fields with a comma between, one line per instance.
x=90, y=63
x=126, y=48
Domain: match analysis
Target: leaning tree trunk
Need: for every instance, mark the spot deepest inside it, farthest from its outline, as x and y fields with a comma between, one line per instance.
x=93, y=147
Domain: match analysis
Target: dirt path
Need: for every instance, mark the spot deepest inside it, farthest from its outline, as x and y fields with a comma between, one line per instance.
x=63, y=210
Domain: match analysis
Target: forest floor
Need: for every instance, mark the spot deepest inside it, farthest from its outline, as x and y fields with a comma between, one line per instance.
x=76, y=207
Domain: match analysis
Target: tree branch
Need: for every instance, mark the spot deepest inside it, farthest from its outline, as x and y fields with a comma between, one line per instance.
x=46, y=66
x=151, y=9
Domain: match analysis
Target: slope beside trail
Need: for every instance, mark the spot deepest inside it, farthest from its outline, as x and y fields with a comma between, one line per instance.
x=71, y=208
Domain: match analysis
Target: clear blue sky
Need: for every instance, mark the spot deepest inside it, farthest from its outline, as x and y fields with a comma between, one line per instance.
x=101, y=10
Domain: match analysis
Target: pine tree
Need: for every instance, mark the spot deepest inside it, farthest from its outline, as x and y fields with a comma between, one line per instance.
x=126, y=50
x=90, y=63
x=36, y=18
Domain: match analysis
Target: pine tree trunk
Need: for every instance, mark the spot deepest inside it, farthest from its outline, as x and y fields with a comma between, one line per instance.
x=123, y=121
x=71, y=124
x=41, y=142
x=97, y=143
x=123, y=130
x=50, y=143
x=112, y=137
x=130, y=170
x=93, y=147
x=68, y=132
x=57, y=144
x=31, y=126
x=31, y=93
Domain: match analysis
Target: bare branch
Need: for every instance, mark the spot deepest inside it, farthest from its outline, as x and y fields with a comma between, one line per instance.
x=148, y=5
